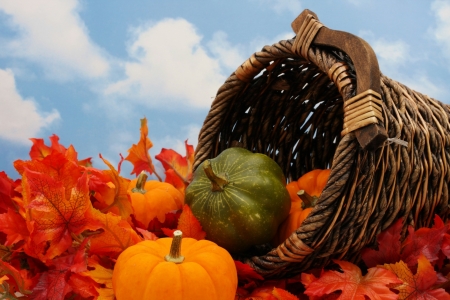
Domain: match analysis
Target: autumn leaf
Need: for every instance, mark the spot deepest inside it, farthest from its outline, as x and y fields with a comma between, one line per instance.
x=139, y=154
x=389, y=247
x=426, y=241
x=352, y=284
x=7, y=192
x=246, y=273
x=189, y=224
x=17, y=278
x=39, y=151
x=420, y=285
x=178, y=168
x=52, y=285
x=84, y=286
x=117, y=236
x=113, y=192
x=170, y=222
x=147, y=235
x=103, y=277
x=282, y=294
x=14, y=226
x=56, y=211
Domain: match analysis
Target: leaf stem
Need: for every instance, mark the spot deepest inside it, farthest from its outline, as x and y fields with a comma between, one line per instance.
x=217, y=181
x=175, y=248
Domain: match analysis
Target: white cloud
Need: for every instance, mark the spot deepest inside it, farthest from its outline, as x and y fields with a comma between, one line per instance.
x=51, y=33
x=441, y=32
x=20, y=117
x=391, y=52
x=169, y=66
x=280, y=6
x=396, y=62
x=229, y=56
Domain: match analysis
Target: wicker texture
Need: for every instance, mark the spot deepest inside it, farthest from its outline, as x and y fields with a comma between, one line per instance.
x=293, y=111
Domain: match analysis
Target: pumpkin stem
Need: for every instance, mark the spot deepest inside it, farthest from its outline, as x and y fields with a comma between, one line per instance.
x=307, y=199
x=140, y=184
x=175, y=248
x=217, y=181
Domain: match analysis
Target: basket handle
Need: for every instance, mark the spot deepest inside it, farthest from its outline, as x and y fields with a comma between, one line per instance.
x=310, y=31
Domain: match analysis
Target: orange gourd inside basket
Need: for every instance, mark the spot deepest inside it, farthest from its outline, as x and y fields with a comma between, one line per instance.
x=304, y=194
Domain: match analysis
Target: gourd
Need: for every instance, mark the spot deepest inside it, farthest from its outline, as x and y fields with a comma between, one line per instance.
x=239, y=197
x=175, y=268
x=153, y=198
x=304, y=194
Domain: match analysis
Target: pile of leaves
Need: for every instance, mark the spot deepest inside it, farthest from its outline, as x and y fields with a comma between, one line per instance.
x=63, y=224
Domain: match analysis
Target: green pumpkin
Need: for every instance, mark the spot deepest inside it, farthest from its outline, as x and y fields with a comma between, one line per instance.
x=240, y=198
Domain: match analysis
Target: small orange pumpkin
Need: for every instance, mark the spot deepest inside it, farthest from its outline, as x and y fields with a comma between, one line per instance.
x=175, y=268
x=153, y=198
x=312, y=183
x=304, y=194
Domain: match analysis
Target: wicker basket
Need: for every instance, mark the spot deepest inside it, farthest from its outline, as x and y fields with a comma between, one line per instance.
x=320, y=101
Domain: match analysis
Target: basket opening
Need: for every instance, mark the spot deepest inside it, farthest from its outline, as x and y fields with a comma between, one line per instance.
x=291, y=112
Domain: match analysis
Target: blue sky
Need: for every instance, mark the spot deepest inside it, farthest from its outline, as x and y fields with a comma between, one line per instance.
x=89, y=70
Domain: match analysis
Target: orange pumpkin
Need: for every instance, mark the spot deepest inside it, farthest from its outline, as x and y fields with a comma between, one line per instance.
x=304, y=194
x=175, y=268
x=153, y=198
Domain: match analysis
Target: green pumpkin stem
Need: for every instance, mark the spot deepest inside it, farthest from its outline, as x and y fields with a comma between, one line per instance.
x=217, y=181
x=175, y=248
x=307, y=199
x=140, y=184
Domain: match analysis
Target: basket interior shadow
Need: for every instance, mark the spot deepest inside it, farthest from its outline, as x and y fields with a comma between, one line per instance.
x=294, y=106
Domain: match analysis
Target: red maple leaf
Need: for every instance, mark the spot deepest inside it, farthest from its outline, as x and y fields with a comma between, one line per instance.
x=426, y=241
x=420, y=285
x=389, y=247
x=52, y=285
x=246, y=273
x=139, y=154
x=83, y=286
x=178, y=168
x=170, y=223
x=7, y=192
x=353, y=285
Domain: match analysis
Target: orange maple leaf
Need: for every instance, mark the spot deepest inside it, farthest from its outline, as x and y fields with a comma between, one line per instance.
x=189, y=224
x=102, y=276
x=420, y=285
x=282, y=294
x=113, y=193
x=56, y=210
x=352, y=284
x=139, y=154
x=39, y=151
x=14, y=226
x=117, y=236
x=178, y=168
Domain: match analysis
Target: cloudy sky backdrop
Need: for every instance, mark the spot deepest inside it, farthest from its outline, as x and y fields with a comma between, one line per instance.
x=89, y=70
